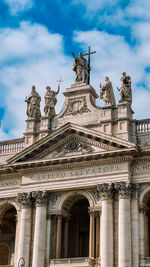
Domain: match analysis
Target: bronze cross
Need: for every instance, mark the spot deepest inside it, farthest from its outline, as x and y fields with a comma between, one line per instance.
x=60, y=81
x=89, y=58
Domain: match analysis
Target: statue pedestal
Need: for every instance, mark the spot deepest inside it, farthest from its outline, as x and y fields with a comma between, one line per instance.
x=32, y=129
x=45, y=126
x=125, y=116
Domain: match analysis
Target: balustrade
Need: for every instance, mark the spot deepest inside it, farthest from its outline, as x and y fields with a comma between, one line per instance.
x=143, y=126
x=72, y=262
x=12, y=146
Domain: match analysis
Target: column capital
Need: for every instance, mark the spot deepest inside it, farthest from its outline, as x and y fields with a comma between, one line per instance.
x=124, y=189
x=91, y=212
x=40, y=197
x=25, y=199
x=107, y=191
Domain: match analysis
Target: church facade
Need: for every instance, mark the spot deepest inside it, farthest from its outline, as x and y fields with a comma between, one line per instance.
x=75, y=190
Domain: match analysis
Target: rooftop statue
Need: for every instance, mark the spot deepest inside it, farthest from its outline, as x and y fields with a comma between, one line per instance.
x=50, y=101
x=125, y=89
x=106, y=93
x=82, y=68
x=33, y=104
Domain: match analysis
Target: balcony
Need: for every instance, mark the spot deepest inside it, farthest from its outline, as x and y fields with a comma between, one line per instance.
x=74, y=262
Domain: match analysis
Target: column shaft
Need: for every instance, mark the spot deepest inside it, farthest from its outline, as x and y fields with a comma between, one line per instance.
x=48, y=237
x=135, y=232
x=107, y=233
x=66, y=233
x=24, y=242
x=58, y=241
x=97, y=234
x=124, y=233
x=141, y=226
x=25, y=234
x=40, y=229
x=91, y=239
x=39, y=237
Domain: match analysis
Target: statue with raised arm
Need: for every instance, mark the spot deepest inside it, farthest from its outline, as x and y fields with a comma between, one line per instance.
x=81, y=69
x=106, y=93
x=50, y=101
x=125, y=89
x=33, y=104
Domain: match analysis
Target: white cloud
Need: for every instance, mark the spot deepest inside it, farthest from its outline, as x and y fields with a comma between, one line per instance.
x=31, y=55
x=95, y=5
x=19, y=5
x=138, y=9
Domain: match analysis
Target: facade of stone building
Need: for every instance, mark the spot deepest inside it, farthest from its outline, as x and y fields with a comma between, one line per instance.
x=75, y=190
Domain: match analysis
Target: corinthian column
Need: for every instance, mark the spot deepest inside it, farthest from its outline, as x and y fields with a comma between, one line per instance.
x=106, y=236
x=25, y=199
x=124, y=246
x=40, y=228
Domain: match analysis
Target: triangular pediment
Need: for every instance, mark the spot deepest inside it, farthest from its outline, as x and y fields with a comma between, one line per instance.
x=71, y=141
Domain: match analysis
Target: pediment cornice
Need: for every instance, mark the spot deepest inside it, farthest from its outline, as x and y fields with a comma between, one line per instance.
x=90, y=138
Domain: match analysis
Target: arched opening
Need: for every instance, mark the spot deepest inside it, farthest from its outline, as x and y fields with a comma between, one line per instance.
x=7, y=234
x=75, y=228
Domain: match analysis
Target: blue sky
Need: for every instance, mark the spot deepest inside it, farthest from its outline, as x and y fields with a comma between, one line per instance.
x=38, y=36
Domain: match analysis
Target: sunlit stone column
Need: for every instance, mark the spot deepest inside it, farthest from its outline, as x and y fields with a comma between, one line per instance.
x=66, y=233
x=48, y=236
x=106, y=242
x=124, y=234
x=141, y=228
x=91, y=239
x=40, y=228
x=58, y=241
x=26, y=201
x=135, y=225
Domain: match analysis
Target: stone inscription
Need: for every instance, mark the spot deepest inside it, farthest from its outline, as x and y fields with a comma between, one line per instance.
x=9, y=183
x=77, y=173
x=140, y=168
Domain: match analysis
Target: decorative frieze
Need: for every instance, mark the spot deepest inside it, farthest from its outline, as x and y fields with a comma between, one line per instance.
x=107, y=191
x=40, y=197
x=123, y=188
x=25, y=199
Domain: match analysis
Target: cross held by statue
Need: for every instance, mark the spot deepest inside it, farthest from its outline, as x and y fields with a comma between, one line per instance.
x=89, y=60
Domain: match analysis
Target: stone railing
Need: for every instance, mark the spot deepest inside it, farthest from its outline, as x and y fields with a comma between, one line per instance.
x=73, y=262
x=12, y=146
x=143, y=126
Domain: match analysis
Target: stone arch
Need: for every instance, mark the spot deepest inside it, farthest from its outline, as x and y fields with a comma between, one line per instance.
x=143, y=196
x=4, y=205
x=71, y=197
